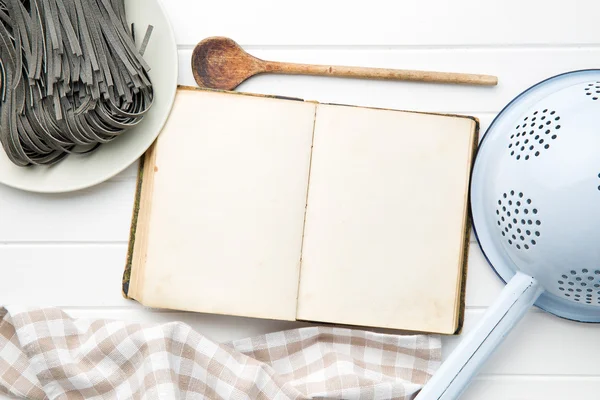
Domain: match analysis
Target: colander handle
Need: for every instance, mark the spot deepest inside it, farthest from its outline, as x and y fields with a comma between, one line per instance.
x=479, y=344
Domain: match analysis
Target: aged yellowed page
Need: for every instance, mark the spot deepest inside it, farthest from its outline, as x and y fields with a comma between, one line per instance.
x=227, y=213
x=385, y=224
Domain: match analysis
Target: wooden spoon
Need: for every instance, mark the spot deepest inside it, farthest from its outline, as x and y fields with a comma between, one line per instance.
x=220, y=63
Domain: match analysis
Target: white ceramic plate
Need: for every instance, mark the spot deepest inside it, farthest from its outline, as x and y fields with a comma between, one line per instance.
x=82, y=171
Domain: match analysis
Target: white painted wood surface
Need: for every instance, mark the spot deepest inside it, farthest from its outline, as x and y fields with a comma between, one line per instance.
x=69, y=250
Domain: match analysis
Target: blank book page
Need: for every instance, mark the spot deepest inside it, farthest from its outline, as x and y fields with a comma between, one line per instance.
x=227, y=214
x=385, y=224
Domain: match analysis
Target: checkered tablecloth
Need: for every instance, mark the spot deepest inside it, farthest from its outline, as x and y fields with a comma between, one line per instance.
x=46, y=354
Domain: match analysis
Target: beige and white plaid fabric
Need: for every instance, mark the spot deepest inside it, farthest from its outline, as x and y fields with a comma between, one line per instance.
x=45, y=354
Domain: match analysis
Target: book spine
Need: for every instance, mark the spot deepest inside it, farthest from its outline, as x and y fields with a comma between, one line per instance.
x=133, y=229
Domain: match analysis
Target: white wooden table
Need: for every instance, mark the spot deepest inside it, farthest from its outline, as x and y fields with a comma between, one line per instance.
x=69, y=250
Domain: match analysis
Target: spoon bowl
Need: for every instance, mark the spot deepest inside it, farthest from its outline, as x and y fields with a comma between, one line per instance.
x=220, y=63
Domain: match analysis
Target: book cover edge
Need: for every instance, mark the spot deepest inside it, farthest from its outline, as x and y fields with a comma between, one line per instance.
x=468, y=226
x=133, y=228
x=278, y=97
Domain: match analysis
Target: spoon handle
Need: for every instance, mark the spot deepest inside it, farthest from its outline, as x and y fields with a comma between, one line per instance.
x=380, y=73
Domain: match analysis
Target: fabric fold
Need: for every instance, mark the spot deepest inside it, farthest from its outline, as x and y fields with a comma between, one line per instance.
x=46, y=354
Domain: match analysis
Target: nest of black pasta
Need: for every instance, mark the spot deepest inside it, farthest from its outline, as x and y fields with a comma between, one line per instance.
x=72, y=77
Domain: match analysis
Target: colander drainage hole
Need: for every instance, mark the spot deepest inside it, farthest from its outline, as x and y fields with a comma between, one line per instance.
x=542, y=122
x=517, y=232
x=593, y=90
x=575, y=284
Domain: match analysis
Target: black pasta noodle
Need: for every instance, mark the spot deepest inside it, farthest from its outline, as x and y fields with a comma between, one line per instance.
x=71, y=77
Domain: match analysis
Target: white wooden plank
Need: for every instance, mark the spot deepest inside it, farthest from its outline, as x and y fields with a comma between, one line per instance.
x=568, y=347
x=130, y=173
x=386, y=22
x=62, y=275
x=90, y=276
x=526, y=388
x=516, y=69
x=483, y=285
x=533, y=387
x=35, y=265
x=100, y=213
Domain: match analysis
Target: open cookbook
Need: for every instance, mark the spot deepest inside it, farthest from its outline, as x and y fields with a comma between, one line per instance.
x=278, y=208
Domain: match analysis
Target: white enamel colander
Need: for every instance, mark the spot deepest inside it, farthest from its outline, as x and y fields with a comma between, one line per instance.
x=535, y=204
